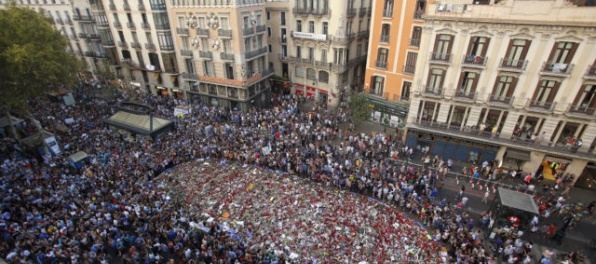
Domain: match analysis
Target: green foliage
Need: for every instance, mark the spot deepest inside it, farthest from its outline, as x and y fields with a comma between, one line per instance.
x=33, y=57
x=359, y=108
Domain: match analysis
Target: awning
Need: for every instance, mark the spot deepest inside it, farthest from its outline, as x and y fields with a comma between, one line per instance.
x=557, y=160
x=140, y=124
x=78, y=156
x=518, y=200
x=518, y=154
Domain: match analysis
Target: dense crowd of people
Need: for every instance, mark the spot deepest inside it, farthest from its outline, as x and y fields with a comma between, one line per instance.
x=114, y=208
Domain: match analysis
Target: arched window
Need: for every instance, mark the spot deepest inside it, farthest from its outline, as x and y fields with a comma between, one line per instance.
x=323, y=77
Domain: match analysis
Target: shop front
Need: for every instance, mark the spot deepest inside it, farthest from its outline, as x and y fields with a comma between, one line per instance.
x=162, y=91
x=448, y=146
x=388, y=114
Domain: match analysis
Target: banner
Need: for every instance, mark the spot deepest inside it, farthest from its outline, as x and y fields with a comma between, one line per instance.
x=53, y=145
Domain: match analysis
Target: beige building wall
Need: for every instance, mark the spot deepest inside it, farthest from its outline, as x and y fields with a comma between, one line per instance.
x=222, y=49
x=320, y=46
x=515, y=66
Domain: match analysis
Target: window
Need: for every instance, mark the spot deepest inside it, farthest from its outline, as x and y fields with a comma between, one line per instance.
x=504, y=88
x=562, y=53
x=378, y=84
x=268, y=15
x=269, y=47
x=202, y=23
x=585, y=99
x=323, y=77
x=298, y=52
x=154, y=60
x=443, y=47
x=311, y=26
x=467, y=83
x=268, y=32
x=165, y=40
x=410, y=66
x=388, y=8
x=416, y=35
x=545, y=94
x=385, y=29
x=224, y=22
x=121, y=35
x=227, y=46
x=325, y=28
x=282, y=18
x=324, y=55
x=516, y=53
x=298, y=26
x=358, y=50
x=190, y=65
x=205, y=44
x=299, y=72
x=311, y=74
x=382, y=58
x=246, y=22
x=229, y=71
x=478, y=46
x=405, y=90
x=311, y=54
x=435, y=80
x=208, y=68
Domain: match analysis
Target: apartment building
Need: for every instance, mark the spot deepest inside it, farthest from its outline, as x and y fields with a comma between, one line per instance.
x=223, y=52
x=73, y=19
x=138, y=37
x=395, y=40
x=512, y=81
x=319, y=46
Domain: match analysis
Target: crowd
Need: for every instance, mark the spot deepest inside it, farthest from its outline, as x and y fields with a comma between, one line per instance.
x=116, y=207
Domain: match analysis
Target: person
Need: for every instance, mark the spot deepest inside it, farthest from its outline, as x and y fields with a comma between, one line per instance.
x=486, y=195
x=566, y=191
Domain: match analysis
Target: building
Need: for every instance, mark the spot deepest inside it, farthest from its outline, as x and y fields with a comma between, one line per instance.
x=138, y=41
x=319, y=46
x=73, y=19
x=223, y=52
x=512, y=81
x=396, y=31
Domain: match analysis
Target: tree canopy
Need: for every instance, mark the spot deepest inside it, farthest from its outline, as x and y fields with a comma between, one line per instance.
x=359, y=108
x=33, y=56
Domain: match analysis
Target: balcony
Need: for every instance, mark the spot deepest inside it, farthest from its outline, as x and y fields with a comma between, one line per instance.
x=387, y=13
x=415, y=42
x=145, y=25
x=248, y=31
x=556, y=69
x=166, y=47
x=203, y=32
x=126, y=6
x=434, y=92
x=233, y=95
x=580, y=111
x=381, y=65
x=83, y=35
x=162, y=26
x=283, y=39
x=150, y=46
x=68, y=21
x=117, y=24
x=82, y=18
x=344, y=39
x=190, y=76
x=474, y=61
x=226, y=56
x=444, y=58
x=363, y=34
x=363, y=11
x=591, y=73
x=418, y=14
x=186, y=53
x=306, y=11
x=384, y=39
x=94, y=36
x=157, y=5
x=283, y=57
x=112, y=6
x=182, y=31
x=122, y=44
x=205, y=54
x=108, y=43
x=135, y=45
x=95, y=54
x=540, y=106
x=502, y=101
x=409, y=69
x=224, y=33
x=130, y=25
x=59, y=21
x=141, y=7
x=351, y=12
x=102, y=23
x=261, y=28
x=513, y=65
x=464, y=96
x=254, y=53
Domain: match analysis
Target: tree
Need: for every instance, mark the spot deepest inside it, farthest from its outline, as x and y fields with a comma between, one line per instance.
x=33, y=57
x=359, y=108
